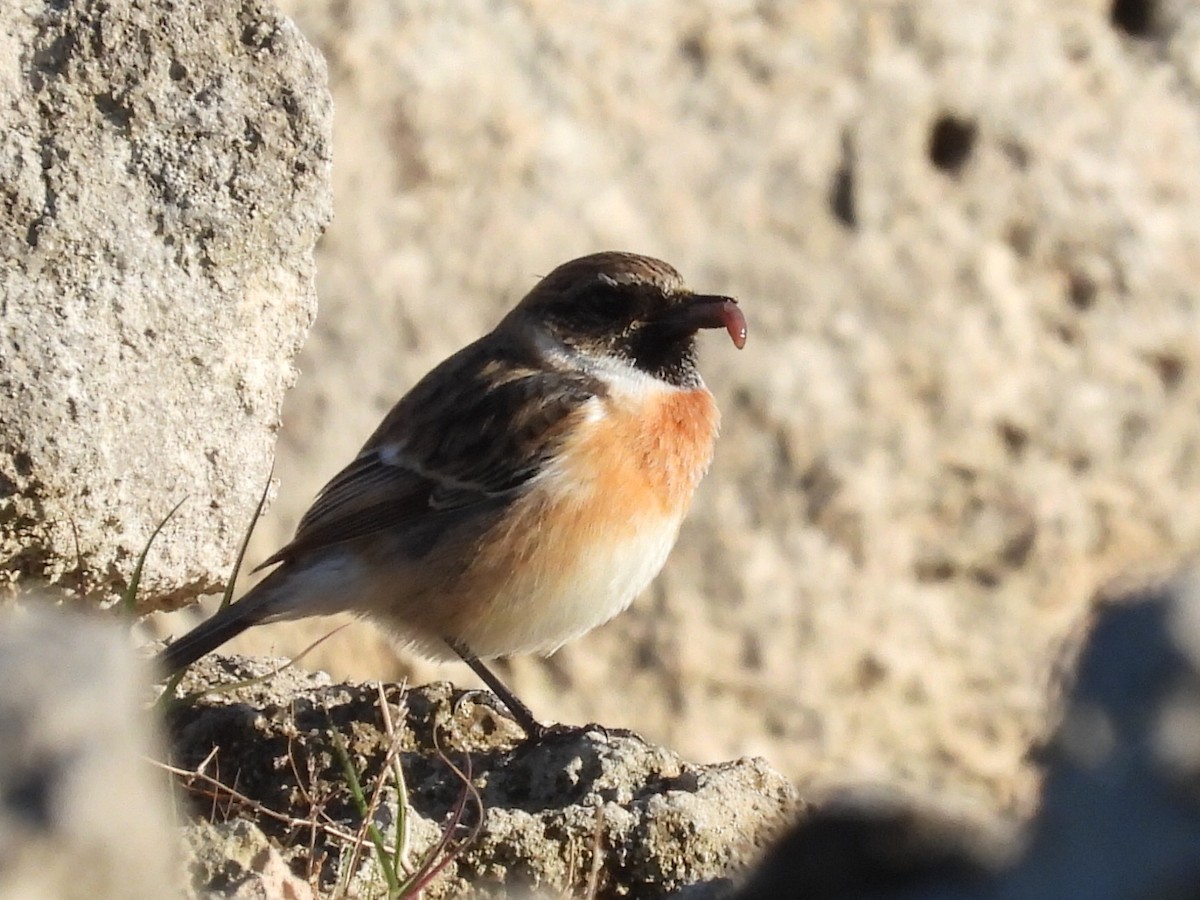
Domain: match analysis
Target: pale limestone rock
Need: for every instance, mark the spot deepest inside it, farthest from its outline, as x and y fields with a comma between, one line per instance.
x=164, y=169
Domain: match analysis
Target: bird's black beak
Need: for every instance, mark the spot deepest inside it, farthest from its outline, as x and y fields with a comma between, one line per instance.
x=698, y=311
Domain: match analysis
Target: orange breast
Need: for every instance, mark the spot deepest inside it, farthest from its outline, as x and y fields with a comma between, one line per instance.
x=646, y=455
x=597, y=527
x=636, y=465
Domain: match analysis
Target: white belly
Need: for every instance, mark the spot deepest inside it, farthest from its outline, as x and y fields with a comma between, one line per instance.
x=541, y=608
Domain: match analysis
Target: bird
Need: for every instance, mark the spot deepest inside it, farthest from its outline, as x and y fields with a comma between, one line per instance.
x=524, y=491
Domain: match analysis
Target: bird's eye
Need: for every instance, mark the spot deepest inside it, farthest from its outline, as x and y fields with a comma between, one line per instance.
x=606, y=303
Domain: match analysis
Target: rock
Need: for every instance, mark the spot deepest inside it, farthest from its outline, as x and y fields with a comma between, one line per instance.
x=548, y=816
x=1120, y=808
x=235, y=859
x=82, y=814
x=165, y=170
x=872, y=843
x=965, y=239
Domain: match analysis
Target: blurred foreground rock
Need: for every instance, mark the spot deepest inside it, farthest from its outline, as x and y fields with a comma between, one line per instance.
x=83, y=814
x=165, y=175
x=580, y=807
x=1119, y=816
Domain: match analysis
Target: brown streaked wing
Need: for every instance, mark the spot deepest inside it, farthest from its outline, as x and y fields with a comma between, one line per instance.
x=365, y=497
x=423, y=463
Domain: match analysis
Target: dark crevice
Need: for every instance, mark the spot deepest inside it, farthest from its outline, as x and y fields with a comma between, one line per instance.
x=1081, y=291
x=48, y=152
x=114, y=110
x=1137, y=18
x=694, y=50
x=1014, y=438
x=951, y=142
x=841, y=191
x=1170, y=370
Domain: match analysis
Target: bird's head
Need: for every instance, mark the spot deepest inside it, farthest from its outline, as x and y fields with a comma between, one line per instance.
x=630, y=308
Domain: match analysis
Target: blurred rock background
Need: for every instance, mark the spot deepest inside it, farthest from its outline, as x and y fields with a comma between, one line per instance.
x=965, y=236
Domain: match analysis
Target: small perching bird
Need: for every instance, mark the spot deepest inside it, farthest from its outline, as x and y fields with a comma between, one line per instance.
x=525, y=490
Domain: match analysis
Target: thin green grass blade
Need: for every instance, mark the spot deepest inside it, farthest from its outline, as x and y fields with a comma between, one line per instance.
x=129, y=597
x=227, y=597
x=360, y=801
x=167, y=698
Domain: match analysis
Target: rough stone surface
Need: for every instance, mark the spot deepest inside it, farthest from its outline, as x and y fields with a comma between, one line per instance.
x=235, y=859
x=82, y=814
x=966, y=241
x=658, y=824
x=164, y=177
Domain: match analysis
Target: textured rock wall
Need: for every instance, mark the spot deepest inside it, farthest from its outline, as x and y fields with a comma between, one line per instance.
x=164, y=174
x=965, y=238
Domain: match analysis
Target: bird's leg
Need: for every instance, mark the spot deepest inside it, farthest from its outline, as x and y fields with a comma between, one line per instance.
x=521, y=713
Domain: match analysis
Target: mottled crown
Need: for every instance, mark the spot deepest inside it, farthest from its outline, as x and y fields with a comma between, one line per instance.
x=615, y=268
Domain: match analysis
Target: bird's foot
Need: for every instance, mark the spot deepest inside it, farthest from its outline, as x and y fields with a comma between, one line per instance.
x=534, y=730
x=561, y=733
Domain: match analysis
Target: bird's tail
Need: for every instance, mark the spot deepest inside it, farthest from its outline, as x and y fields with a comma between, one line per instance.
x=254, y=608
